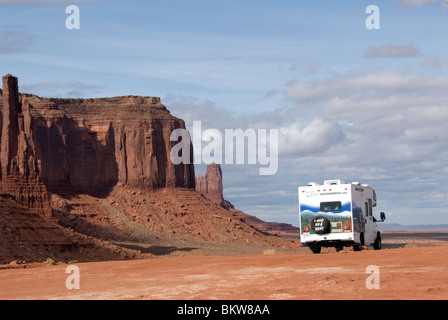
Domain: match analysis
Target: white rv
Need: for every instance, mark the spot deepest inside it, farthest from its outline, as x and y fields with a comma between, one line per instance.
x=338, y=214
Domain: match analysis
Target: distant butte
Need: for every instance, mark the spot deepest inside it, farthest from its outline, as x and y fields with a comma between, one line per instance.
x=210, y=185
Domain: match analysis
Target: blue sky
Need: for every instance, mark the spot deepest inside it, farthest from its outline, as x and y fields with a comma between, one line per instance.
x=350, y=103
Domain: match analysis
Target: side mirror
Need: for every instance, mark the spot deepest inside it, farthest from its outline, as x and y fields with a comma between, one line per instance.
x=383, y=216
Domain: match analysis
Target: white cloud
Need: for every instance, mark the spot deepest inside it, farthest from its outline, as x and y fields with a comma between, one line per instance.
x=422, y=3
x=416, y=3
x=191, y=109
x=397, y=130
x=373, y=82
x=306, y=68
x=385, y=127
x=317, y=137
x=434, y=62
x=391, y=51
x=12, y=42
x=63, y=89
x=445, y=5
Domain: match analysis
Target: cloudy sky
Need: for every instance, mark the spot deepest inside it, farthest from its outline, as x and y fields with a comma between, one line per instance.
x=349, y=102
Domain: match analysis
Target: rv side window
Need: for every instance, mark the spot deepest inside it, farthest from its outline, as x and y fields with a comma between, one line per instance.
x=331, y=206
x=367, y=213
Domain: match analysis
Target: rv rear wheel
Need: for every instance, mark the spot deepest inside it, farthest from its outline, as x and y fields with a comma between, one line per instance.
x=315, y=249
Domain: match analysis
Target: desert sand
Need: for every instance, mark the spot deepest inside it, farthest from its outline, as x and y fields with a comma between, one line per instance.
x=404, y=273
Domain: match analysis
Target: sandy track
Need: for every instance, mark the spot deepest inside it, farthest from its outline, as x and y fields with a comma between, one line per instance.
x=407, y=273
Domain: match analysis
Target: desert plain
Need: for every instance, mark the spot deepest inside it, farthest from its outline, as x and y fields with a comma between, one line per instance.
x=412, y=265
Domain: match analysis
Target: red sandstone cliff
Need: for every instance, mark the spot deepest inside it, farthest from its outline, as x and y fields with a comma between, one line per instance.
x=20, y=174
x=85, y=145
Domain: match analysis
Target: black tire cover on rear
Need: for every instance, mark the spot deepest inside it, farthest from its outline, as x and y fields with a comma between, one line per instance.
x=320, y=225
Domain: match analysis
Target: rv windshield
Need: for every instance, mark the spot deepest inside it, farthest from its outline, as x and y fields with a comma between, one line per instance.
x=330, y=206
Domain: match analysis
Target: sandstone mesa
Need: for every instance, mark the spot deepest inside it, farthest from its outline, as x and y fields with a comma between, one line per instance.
x=80, y=176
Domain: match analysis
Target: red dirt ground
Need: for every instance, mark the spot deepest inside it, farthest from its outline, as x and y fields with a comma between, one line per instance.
x=405, y=273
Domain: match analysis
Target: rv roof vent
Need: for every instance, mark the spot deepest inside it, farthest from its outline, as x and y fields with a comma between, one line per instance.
x=330, y=182
x=312, y=184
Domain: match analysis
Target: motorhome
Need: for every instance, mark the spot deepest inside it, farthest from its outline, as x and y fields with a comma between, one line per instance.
x=338, y=214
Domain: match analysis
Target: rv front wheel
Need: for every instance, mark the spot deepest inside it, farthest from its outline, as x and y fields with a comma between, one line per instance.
x=377, y=243
x=358, y=247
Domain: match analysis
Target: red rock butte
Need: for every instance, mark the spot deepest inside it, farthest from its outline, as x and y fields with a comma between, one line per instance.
x=210, y=185
x=85, y=145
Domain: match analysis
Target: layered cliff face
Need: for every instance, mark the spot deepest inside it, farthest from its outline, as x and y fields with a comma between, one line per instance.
x=85, y=145
x=19, y=166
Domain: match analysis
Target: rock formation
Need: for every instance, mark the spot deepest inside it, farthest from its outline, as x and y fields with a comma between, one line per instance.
x=210, y=185
x=85, y=145
x=19, y=165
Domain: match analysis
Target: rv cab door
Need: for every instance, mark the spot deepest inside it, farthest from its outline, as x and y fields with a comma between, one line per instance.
x=371, y=227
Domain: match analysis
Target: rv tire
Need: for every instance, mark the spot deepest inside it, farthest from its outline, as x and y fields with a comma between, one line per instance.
x=377, y=243
x=321, y=225
x=316, y=249
x=358, y=247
